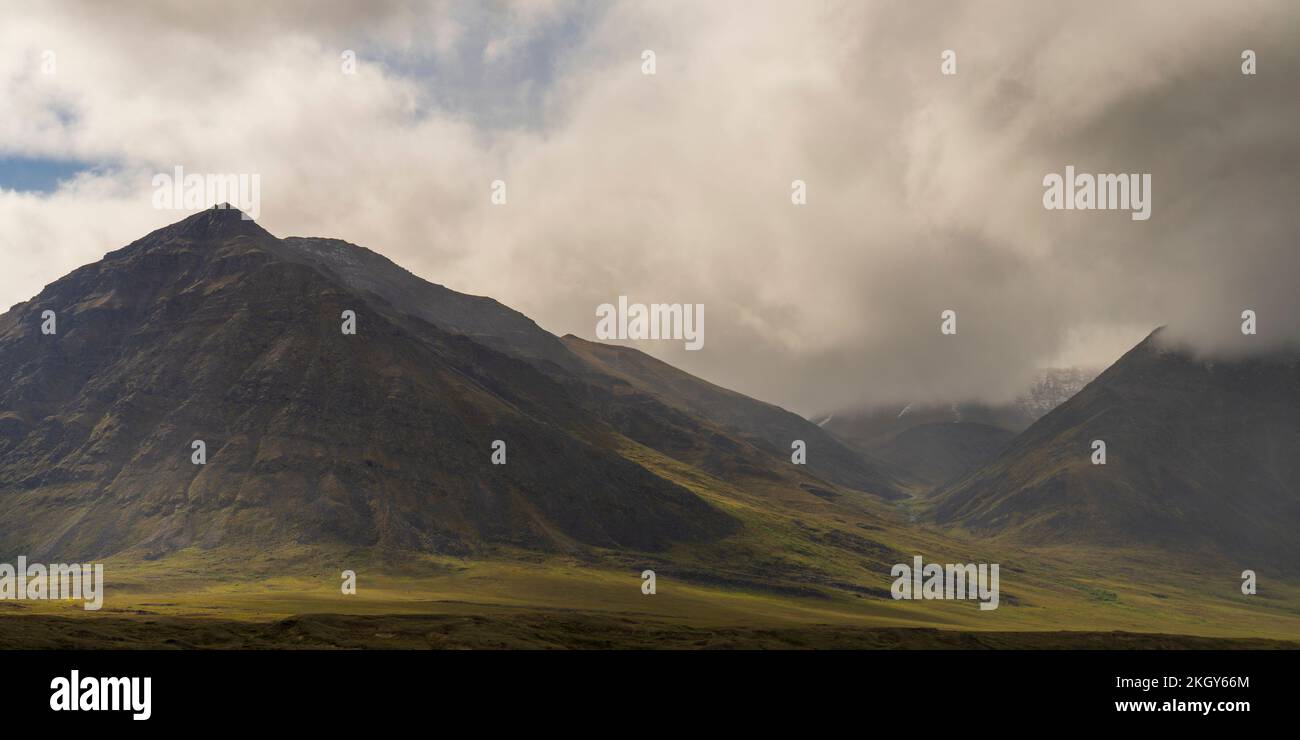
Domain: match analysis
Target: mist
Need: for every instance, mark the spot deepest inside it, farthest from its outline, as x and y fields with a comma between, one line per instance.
x=924, y=191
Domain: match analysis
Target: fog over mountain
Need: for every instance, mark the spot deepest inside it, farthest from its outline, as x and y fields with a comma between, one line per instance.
x=924, y=190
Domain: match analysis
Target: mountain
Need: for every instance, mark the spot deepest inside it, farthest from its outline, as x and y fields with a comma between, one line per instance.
x=1053, y=387
x=645, y=399
x=212, y=329
x=931, y=443
x=482, y=319
x=933, y=453
x=767, y=427
x=374, y=449
x=1200, y=455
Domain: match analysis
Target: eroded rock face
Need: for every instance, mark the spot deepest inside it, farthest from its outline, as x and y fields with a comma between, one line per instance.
x=209, y=330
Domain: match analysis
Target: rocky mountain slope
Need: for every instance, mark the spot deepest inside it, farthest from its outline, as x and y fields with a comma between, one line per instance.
x=1200, y=455
x=212, y=329
x=207, y=330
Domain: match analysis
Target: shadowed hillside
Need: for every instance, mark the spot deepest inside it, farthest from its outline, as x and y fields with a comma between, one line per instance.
x=1200, y=457
x=203, y=331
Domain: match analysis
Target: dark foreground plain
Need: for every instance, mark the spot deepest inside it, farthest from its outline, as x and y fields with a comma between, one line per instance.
x=542, y=631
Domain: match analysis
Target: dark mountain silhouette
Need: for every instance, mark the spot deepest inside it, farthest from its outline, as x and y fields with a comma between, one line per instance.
x=646, y=399
x=1200, y=456
x=933, y=453
x=482, y=319
x=211, y=329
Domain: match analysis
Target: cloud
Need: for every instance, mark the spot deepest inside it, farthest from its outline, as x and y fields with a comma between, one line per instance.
x=924, y=190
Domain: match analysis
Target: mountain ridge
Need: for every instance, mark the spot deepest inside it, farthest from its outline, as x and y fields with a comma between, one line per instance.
x=202, y=322
x=1199, y=456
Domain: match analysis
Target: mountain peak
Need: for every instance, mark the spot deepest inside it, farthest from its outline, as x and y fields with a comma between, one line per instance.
x=212, y=330
x=1201, y=457
x=218, y=222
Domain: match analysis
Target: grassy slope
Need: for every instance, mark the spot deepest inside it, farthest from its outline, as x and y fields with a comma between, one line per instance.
x=192, y=600
x=807, y=569
x=804, y=572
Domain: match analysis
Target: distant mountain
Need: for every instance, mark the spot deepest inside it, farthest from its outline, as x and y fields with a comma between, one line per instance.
x=930, y=443
x=1200, y=455
x=1053, y=387
x=936, y=452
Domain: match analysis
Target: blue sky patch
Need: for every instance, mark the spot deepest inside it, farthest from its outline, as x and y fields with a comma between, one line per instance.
x=38, y=174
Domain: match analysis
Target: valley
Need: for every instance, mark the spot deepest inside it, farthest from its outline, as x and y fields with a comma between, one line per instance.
x=329, y=452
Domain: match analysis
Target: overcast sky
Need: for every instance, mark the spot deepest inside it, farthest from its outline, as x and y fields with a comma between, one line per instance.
x=924, y=190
